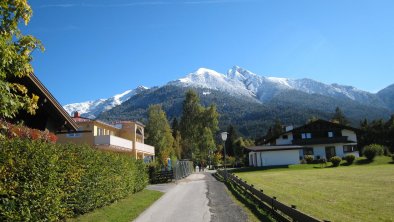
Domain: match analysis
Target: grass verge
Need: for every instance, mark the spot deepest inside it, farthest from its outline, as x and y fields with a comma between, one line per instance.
x=359, y=192
x=123, y=210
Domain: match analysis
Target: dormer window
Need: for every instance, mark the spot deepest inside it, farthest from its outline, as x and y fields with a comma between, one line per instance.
x=285, y=137
x=330, y=134
x=306, y=135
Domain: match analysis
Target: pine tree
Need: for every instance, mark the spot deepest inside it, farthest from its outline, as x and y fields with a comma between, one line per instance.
x=207, y=144
x=231, y=137
x=178, y=145
x=190, y=124
x=210, y=118
x=339, y=117
x=175, y=127
x=195, y=123
x=275, y=130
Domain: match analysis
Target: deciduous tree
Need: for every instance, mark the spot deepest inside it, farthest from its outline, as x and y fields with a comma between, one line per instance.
x=159, y=133
x=15, y=58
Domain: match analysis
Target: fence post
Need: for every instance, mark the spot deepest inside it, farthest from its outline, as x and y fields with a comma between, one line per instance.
x=273, y=204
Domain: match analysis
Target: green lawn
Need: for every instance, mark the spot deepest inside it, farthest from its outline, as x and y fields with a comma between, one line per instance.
x=359, y=192
x=124, y=210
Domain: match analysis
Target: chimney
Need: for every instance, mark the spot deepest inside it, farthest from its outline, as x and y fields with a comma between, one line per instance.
x=289, y=128
x=76, y=114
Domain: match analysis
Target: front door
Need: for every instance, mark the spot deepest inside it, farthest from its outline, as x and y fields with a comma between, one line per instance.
x=330, y=152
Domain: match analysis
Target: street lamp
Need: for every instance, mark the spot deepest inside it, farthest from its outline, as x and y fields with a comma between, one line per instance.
x=224, y=138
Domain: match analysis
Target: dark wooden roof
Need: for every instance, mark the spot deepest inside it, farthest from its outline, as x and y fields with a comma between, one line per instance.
x=50, y=114
x=320, y=125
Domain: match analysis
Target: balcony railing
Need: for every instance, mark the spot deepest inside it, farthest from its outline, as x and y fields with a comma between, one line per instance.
x=331, y=140
x=140, y=147
x=113, y=141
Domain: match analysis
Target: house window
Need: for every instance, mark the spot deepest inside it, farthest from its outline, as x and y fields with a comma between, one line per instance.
x=308, y=151
x=349, y=148
x=285, y=137
x=330, y=134
x=100, y=131
x=306, y=135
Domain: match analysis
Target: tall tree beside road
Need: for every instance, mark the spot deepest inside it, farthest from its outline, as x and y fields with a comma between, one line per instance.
x=190, y=123
x=159, y=134
x=15, y=58
x=197, y=125
x=207, y=144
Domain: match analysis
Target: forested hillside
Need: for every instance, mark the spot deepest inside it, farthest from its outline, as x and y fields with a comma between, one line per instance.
x=252, y=118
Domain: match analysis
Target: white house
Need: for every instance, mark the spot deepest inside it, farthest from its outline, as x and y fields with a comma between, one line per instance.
x=274, y=155
x=320, y=139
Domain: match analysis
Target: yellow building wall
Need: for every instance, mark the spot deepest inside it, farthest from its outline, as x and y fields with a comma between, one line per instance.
x=92, y=129
x=96, y=128
x=78, y=138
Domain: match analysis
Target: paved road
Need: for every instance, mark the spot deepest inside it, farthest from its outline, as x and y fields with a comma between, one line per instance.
x=198, y=198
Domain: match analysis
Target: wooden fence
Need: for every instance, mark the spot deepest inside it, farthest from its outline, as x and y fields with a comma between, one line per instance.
x=162, y=176
x=278, y=210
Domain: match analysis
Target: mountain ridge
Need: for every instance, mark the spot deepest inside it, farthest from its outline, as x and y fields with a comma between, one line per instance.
x=250, y=117
x=244, y=84
x=93, y=108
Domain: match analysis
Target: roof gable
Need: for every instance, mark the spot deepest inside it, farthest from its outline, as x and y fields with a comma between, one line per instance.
x=320, y=125
x=317, y=125
x=49, y=108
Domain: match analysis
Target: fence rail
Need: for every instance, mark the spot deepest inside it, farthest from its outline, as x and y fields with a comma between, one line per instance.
x=162, y=176
x=279, y=211
x=182, y=169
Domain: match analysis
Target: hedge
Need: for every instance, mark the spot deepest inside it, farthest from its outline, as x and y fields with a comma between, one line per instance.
x=10, y=131
x=42, y=181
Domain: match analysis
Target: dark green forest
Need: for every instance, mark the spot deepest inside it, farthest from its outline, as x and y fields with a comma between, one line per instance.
x=251, y=117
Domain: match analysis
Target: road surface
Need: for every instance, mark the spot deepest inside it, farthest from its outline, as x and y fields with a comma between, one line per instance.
x=198, y=198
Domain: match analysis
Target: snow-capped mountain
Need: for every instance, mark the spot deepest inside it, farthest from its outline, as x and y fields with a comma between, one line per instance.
x=92, y=109
x=239, y=81
x=245, y=85
x=210, y=79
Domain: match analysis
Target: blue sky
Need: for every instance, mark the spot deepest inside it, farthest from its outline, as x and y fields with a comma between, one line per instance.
x=98, y=48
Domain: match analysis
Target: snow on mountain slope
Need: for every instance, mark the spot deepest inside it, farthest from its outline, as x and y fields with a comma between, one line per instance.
x=210, y=79
x=92, y=109
x=265, y=88
x=239, y=82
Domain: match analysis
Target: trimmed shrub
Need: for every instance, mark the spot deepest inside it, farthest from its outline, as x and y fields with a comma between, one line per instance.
x=373, y=150
x=10, y=131
x=308, y=158
x=349, y=158
x=42, y=181
x=335, y=160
